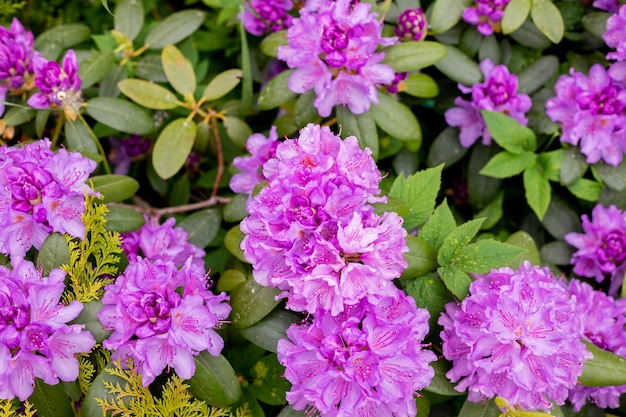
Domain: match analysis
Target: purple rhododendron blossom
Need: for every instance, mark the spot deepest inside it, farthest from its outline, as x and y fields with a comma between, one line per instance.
x=262, y=16
x=35, y=340
x=123, y=152
x=497, y=93
x=162, y=316
x=615, y=35
x=261, y=149
x=412, y=25
x=592, y=111
x=515, y=336
x=486, y=15
x=366, y=361
x=601, y=247
x=333, y=52
x=161, y=241
x=59, y=85
x=312, y=232
x=604, y=319
x=40, y=192
x=611, y=6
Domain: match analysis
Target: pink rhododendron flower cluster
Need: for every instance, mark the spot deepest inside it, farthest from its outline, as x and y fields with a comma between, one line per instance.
x=261, y=149
x=313, y=232
x=262, y=16
x=486, y=15
x=368, y=360
x=615, y=35
x=604, y=319
x=601, y=247
x=35, y=339
x=333, y=52
x=162, y=316
x=516, y=336
x=40, y=192
x=592, y=112
x=161, y=241
x=497, y=93
x=611, y=6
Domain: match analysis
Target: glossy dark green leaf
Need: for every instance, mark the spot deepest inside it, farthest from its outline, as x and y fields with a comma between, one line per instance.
x=94, y=68
x=459, y=67
x=605, y=369
x=276, y=91
x=481, y=188
x=173, y=147
x=557, y=253
x=614, y=177
x=561, y=218
x=238, y=130
x=246, y=69
x=492, y=213
x=120, y=114
x=269, y=44
x=215, y=381
x=305, y=112
x=430, y=293
x=446, y=13
x=421, y=85
x=202, y=226
x=50, y=400
x=396, y=119
x=524, y=240
x=362, y=126
x=537, y=74
x=269, y=384
x=595, y=23
x=232, y=240
x=480, y=409
x=178, y=70
x=79, y=139
x=114, y=187
x=573, y=167
x=108, y=85
x=149, y=68
x=288, y=411
x=456, y=280
x=15, y=116
x=470, y=41
x=419, y=192
x=60, y=37
x=490, y=49
x=537, y=190
x=515, y=14
x=41, y=120
x=421, y=258
x=122, y=219
x=148, y=94
x=446, y=149
x=509, y=133
x=251, y=302
x=547, y=17
x=230, y=279
x=441, y=384
x=235, y=210
x=271, y=329
x=89, y=318
x=175, y=28
x=528, y=35
x=222, y=84
x=53, y=253
x=129, y=15
x=414, y=55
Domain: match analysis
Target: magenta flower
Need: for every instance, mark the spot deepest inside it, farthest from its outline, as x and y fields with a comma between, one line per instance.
x=161, y=241
x=334, y=53
x=615, y=35
x=592, y=111
x=59, y=85
x=312, y=232
x=162, y=316
x=486, y=15
x=123, y=152
x=35, y=341
x=261, y=149
x=366, y=361
x=611, y=6
x=40, y=192
x=601, y=247
x=262, y=16
x=515, y=336
x=412, y=25
x=604, y=319
x=497, y=93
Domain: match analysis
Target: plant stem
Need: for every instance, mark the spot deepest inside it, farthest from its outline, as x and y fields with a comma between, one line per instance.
x=220, y=158
x=144, y=208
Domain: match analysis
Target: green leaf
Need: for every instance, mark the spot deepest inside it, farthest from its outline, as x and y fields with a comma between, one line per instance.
x=509, y=133
x=459, y=67
x=486, y=254
x=148, y=94
x=547, y=17
x=238, y=130
x=114, y=187
x=573, y=167
x=396, y=119
x=421, y=85
x=492, y=212
x=128, y=18
x=94, y=68
x=246, y=68
x=446, y=148
x=222, y=84
x=120, y=115
x=271, y=329
x=123, y=220
x=537, y=190
x=550, y=163
x=269, y=44
x=446, y=13
x=490, y=49
x=441, y=384
x=438, y=226
x=89, y=318
x=276, y=91
x=595, y=23
x=15, y=116
x=50, y=400
x=537, y=74
x=455, y=241
x=230, y=279
x=202, y=226
x=586, y=189
x=480, y=409
x=79, y=139
x=214, y=381
x=614, y=177
x=362, y=126
x=178, y=70
x=269, y=385
x=430, y=293
x=304, y=111
x=173, y=147
x=414, y=55
x=53, y=253
x=90, y=407
x=523, y=240
x=557, y=253
x=515, y=15
x=251, y=302
x=419, y=192
x=232, y=240
x=481, y=188
x=605, y=369
x=456, y=280
x=149, y=67
x=60, y=37
x=529, y=36
x=421, y=258
x=41, y=120
x=561, y=218
x=393, y=204
x=175, y=28
x=506, y=164
x=235, y=210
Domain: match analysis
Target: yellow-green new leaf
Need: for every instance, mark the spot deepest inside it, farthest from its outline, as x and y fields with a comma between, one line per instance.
x=178, y=70
x=173, y=147
x=515, y=15
x=547, y=17
x=222, y=84
x=148, y=94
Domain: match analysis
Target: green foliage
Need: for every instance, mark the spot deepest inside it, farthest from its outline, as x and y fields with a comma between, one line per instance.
x=10, y=408
x=10, y=7
x=419, y=192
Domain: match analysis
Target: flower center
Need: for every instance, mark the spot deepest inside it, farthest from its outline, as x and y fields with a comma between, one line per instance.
x=12, y=314
x=615, y=246
x=153, y=310
x=334, y=42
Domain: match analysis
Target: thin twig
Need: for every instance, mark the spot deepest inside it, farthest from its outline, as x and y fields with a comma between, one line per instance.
x=144, y=208
x=220, y=158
